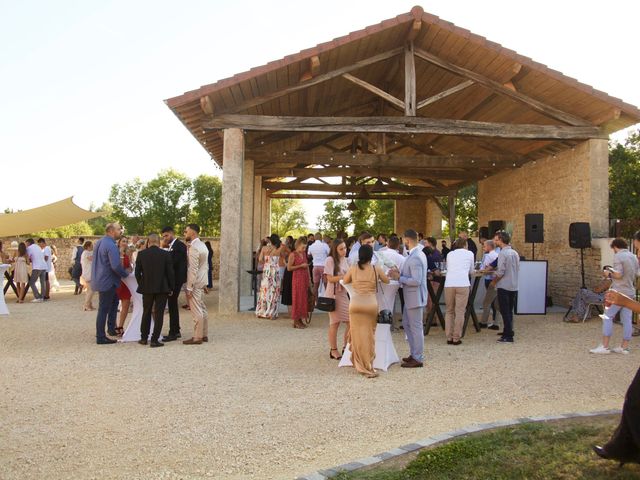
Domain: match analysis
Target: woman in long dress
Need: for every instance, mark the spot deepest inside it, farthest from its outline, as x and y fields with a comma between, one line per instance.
x=300, y=283
x=363, y=310
x=287, y=277
x=21, y=272
x=269, y=297
x=123, y=291
x=86, y=260
x=335, y=268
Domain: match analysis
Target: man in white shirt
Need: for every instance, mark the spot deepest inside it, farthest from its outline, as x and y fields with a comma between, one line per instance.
x=390, y=252
x=460, y=263
x=46, y=250
x=365, y=238
x=319, y=251
x=38, y=269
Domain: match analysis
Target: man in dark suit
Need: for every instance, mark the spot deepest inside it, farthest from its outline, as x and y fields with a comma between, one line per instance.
x=178, y=252
x=156, y=280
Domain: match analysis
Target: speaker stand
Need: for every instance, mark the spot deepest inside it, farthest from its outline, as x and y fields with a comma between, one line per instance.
x=582, y=267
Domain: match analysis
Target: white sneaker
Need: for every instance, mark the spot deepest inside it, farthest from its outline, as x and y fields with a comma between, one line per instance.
x=624, y=351
x=603, y=316
x=37, y=300
x=601, y=350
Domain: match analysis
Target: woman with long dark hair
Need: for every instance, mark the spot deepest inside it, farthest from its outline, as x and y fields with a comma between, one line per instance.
x=335, y=268
x=300, y=283
x=269, y=298
x=287, y=277
x=363, y=310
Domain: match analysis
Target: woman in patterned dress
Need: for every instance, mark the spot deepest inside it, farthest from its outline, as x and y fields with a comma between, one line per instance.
x=269, y=297
x=335, y=268
x=300, y=283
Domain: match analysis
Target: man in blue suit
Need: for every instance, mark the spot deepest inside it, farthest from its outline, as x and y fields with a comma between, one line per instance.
x=107, y=272
x=413, y=280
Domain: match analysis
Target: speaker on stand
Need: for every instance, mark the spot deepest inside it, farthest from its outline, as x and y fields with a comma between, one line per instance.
x=533, y=231
x=580, y=237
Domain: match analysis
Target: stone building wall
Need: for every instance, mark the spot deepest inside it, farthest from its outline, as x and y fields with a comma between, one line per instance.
x=572, y=187
x=421, y=215
x=65, y=247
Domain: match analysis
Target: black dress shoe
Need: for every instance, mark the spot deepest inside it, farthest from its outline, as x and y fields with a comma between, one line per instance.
x=493, y=327
x=142, y=341
x=169, y=338
x=155, y=343
x=105, y=341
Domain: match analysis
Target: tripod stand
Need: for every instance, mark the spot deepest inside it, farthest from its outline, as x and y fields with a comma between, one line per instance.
x=584, y=286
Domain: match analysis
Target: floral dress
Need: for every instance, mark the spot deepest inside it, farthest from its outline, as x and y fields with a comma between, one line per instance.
x=269, y=297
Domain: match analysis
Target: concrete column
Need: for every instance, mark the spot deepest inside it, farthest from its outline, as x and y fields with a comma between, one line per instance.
x=265, y=224
x=452, y=218
x=257, y=212
x=231, y=221
x=246, y=237
x=433, y=220
x=410, y=214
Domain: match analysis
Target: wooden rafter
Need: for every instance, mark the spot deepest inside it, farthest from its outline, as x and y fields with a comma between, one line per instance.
x=536, y=105
x=375, y=90
x=445, y=94
x=409, y=81
x=404, y=125
x=321, y=187
x=352, y=196
x=387, y=171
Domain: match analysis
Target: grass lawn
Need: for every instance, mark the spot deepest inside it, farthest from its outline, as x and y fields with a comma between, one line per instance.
x=560, y=449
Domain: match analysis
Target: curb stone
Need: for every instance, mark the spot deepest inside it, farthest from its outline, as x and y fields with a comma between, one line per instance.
x=331, y=472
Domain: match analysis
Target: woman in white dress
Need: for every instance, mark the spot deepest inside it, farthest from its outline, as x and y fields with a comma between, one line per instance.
x=53, y=278
x=85, y=279
x=21, y=272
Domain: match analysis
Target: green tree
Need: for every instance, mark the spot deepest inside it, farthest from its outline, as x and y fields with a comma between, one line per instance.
x=207, y=202
x=372, y=215
x=130, y=207
x=287, y=217
x=73, y=230
x=336, y=217
x=98, y=224
x=383, y=216
x=624, y=178
x=466, y=210
x=168, y=198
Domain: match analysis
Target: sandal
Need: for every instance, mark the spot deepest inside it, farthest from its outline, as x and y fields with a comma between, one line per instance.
x=119, y=331
x=332, y=357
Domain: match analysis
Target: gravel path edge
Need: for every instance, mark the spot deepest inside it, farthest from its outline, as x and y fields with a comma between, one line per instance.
x=441, y=438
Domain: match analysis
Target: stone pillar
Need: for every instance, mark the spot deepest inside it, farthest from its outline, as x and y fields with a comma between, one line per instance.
x=410, y=214
x=598, y=157
x=452, y=218
x=246, y=237
x=257, y=212
x=433, y=220
x=265, y=224
x=231, y=221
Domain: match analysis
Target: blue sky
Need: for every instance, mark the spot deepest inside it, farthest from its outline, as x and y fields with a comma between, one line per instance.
x=82, y=83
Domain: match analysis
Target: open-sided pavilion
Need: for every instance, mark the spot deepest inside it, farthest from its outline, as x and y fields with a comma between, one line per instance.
x=411, y=109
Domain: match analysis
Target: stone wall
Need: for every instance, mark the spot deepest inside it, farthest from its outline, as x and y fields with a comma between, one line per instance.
x=571, y=187
x=65, y=247
x=421, y=215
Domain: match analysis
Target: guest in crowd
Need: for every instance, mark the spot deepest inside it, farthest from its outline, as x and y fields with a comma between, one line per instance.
x=363, y=310
x=434, y=257
x=269, y=297
x=381, y=242
x=460, y=263
x=444, y=250
x=335, y=268
x=123, y=293
x=38, y=270
x=421, y=239
x=155, y=276
x=506, y=282
x=319, y=251
x=53, y=278
x=413, y=280
x=392, y=252
x=209, y=265
x=623, y=277
x=178, y=251
x=365, y=238
x=138, y=246
x=263, y=243
x=197, y=285
x=85, y=279
x=300, y=283
x=21, y=272
x=287, y=275
x=46, y=251
x=74, y=250
x=585, y=297
x=624, y=445
x=76, y=268
x=106, y=274
x=490, y=303
x=471, y=245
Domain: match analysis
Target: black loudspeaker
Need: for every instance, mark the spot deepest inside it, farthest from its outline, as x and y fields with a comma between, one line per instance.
x=495, y=226
x=484, y=232
x=534, y=228
x=580, y=235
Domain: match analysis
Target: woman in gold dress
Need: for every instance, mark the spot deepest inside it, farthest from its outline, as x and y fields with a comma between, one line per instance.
x=363, y=310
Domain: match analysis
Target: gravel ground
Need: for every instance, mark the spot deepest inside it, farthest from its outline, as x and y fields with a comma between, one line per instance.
x=263, y=400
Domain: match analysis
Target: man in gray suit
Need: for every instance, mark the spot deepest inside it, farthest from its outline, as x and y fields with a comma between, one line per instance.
x=413, y=280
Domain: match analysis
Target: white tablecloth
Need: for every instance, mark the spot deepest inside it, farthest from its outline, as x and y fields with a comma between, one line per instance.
x=387, y=295
x=132, y=333
x=3, y=306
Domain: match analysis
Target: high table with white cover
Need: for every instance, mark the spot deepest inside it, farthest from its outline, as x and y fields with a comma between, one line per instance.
x=386, y=354
x=3, y=306
x=132, y=333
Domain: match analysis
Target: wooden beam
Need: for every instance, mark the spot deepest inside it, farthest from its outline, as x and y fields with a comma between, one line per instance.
x=354, y=196
x=313, y=69
x=314, y=81
x=321, y=187
x=360, y=171
x=452, y=218
x=379, y=160
x=375, y=90
x=403, y=125
x=409, y=81
x=414, y=30
x=536, y=105
x=446, y=93
x=206, y=105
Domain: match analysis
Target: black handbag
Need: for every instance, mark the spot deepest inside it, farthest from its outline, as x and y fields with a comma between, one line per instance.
x=326, y=304
x=385, y=317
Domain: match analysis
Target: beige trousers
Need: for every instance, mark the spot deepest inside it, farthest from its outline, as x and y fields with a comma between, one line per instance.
x=88, y=299
x=199, y=314
x=456, y=299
